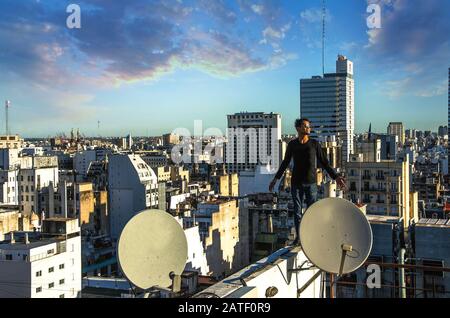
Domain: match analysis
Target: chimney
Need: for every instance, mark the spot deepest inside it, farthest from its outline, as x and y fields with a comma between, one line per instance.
x=12, y=238
x=27, y=241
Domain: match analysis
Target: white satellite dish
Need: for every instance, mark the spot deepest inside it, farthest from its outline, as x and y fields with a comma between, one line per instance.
x=336, y=236
x=152, y=249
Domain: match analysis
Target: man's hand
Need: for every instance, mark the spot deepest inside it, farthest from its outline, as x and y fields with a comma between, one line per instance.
x=272, y=184
x=341, y=183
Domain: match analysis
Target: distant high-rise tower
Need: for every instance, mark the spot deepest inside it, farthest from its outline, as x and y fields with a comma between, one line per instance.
x=129, y=141
x=250, y=147
x=397, y=129
x=328, y=101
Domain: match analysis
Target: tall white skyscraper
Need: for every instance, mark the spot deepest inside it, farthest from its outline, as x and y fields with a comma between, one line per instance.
x=252, y=138
x=132, y=187
x=328, y=101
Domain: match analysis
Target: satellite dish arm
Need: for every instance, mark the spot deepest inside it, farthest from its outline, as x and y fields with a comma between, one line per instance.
x=285, y=163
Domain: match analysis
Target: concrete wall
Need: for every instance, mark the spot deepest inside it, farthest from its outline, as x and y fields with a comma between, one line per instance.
x=130, y=184
x=9, y=221
x=222, y=245
x=196, y=253
x=272, y=271
x=16, y=279
x=433, y=243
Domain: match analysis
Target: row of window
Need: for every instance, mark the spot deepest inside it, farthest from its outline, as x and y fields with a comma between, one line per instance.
x=381, y=186
x=379, y=174
x=29, y=178
x=367, y=199
x=27, y=198
x=9, y=257
x=50, y=269
x=30, y=189
x=50, y=286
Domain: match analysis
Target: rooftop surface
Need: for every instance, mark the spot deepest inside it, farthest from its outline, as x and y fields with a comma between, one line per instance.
x=20, y=245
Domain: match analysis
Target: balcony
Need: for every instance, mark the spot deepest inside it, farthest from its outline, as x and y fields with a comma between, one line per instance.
x=366, y=177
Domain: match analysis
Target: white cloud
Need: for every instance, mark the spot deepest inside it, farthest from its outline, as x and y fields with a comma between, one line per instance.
x=314, y=15
x=258, y=9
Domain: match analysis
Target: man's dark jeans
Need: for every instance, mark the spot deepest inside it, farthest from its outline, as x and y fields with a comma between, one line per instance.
x=299, y=193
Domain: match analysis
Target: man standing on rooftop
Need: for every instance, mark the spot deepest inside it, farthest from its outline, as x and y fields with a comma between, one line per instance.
x=305, y=152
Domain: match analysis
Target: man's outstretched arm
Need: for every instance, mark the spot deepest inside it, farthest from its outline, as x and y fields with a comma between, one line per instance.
x=283, y=167
x=326, y=164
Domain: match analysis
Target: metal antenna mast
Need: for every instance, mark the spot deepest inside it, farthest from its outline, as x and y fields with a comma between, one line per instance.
x=323, y=36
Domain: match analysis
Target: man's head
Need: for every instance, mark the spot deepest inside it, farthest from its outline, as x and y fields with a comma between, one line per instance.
x=303, y=126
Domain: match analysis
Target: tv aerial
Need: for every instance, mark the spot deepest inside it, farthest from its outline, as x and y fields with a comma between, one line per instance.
x=335, y=236
x=152, y=250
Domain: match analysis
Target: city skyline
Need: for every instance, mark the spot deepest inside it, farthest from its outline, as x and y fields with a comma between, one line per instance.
x=168, y=64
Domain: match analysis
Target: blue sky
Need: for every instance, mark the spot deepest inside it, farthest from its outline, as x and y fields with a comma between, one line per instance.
x=148, y=67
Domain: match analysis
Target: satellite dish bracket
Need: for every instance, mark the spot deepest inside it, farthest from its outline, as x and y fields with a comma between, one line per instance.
x=302, y=268
x=345, y=248
x=176, y=282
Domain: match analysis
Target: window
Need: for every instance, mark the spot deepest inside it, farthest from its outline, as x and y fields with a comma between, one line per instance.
x=8, y=257
x=433, y=263
x=38, y=290
x=61, y=281
x=51, y=285
x=61, y=266
x=38, y=273
x=51, y=269
x=61, y=296
x=51, y=252
x=26, y=198
x=366, y=186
